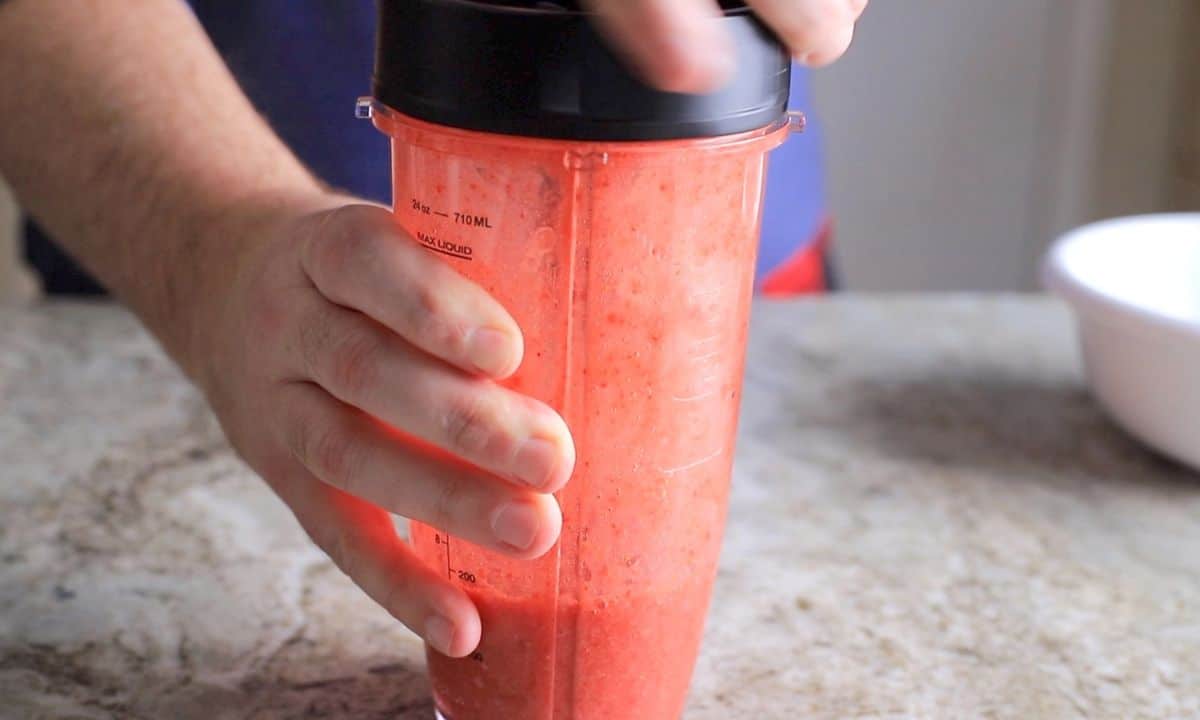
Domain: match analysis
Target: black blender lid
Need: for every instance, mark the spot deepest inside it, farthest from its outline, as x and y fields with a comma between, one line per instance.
x=539, y=69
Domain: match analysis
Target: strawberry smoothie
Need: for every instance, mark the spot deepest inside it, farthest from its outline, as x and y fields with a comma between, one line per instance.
x=629, y=266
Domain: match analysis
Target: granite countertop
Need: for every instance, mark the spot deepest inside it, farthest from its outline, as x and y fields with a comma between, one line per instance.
x=931, y=520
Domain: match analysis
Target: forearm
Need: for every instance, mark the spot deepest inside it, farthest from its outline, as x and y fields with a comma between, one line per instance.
x=124, y=134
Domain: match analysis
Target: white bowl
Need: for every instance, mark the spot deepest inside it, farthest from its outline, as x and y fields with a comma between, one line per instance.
x=1134, y=284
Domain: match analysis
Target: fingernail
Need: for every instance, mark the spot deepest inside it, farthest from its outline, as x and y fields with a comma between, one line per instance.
x=439, y=632
x=535, y=462
x=516, y=524
x=490, y=351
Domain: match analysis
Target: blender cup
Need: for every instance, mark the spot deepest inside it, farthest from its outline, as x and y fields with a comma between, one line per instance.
x=618, y=225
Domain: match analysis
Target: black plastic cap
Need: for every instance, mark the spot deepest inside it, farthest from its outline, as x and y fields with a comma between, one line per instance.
x=539, y=69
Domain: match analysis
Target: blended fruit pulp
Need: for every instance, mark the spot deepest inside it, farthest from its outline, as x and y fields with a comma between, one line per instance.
x=629, y=267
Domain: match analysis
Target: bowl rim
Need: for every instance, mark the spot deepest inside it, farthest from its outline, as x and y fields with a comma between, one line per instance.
x=1084, y=298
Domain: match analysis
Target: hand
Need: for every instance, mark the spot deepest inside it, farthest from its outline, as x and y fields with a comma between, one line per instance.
x=677, y=47
x=336, y=334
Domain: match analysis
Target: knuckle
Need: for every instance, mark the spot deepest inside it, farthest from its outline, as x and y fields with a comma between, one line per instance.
x=342, y=242
x=449, y=498
x=356, y=363
x=324, y=247
x=296, y=433
x=431, y=301
x=334, y=454
x=424, y=309
x=315, y=334
x=468, y=425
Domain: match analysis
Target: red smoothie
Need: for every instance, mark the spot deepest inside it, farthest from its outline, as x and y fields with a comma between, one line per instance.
x=629, y=267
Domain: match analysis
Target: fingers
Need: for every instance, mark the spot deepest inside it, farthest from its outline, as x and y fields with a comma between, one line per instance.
x=361, y=540
x=350, y=451
x=817, y=32
x=359, y=258
x=676, y=44
x=363, y=364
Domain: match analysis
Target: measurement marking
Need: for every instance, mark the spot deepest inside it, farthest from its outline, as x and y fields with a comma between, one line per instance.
x=446, y=252
x=693, y=464
x=706, y=356
x=441, y=214
x=471, y=220
x=694, y=398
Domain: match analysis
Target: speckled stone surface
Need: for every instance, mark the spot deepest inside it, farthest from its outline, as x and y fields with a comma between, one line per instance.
x=931, y=520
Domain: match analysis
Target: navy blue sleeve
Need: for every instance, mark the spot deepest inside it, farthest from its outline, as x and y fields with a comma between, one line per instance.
x=303, y=63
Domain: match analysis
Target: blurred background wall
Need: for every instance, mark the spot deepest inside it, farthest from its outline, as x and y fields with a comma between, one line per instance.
x=1187, y=166
x=963, y=136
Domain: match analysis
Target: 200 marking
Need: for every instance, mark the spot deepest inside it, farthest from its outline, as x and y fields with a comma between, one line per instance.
x=464, y=575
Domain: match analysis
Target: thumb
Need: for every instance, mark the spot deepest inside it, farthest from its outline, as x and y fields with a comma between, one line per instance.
x=677, y=45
